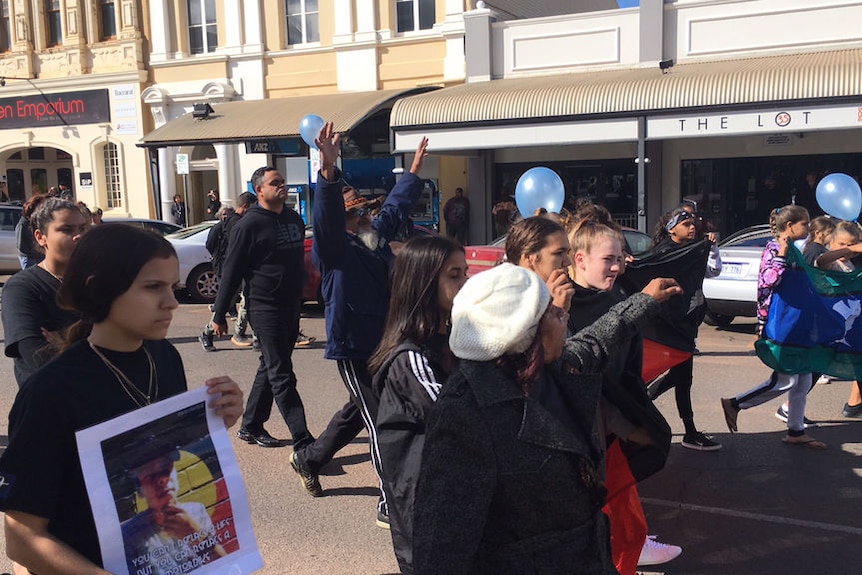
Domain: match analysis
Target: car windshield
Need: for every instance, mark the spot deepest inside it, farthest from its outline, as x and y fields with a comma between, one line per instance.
x=190, y=231
x=754, y=237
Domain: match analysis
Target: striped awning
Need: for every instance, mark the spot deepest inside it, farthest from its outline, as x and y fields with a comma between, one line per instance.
x=276, y=118
x=636, y=91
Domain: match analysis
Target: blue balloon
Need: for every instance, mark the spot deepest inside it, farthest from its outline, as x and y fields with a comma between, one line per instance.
x=309, y=128
x=839, y=196
x=539, y=188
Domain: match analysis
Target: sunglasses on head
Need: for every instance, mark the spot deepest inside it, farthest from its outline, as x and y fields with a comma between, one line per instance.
x=359, y=212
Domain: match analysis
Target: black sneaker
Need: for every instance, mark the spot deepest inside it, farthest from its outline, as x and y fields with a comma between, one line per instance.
x=303, y=340
x=206, y=340
x=382, y=519
x=255, y=344
x=700, y=441
x=854, y=411
x=309, y=480
x=781, y=414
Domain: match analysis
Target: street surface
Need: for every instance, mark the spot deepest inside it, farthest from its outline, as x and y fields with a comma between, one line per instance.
x=758, y=507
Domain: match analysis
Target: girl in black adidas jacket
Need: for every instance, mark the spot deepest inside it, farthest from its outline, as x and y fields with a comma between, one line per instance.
x=409, y=368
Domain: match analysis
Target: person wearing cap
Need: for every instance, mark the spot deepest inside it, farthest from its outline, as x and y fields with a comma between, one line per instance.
x=509, y=481
x=267, y=252
x=351, y=250
x=167, y=534
x=675, y=230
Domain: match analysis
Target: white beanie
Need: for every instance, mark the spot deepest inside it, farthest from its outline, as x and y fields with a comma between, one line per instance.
x=497, y=312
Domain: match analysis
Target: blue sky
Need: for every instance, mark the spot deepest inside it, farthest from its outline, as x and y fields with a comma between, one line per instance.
x=628, y=3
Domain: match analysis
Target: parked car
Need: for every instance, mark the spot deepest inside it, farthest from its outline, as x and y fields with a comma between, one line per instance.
x=197, y=275
x=158, y=226
x=734, y=291
x=9, y=216
x=481, y=258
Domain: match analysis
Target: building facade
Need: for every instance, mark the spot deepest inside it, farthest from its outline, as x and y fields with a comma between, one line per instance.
x=237, y=54
x=739, y=105
x=71, y=77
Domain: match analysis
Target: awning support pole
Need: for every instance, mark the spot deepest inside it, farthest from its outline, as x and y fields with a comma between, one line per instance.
x=642, y=161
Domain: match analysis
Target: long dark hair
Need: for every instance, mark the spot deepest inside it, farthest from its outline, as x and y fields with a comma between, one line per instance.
x=413, y=311
x=529, y=236
x=105, y=262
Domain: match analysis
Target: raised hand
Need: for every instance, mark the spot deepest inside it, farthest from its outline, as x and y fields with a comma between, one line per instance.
x=562, y=289
x=662, y=289
x=419, y=157
x=329, y=143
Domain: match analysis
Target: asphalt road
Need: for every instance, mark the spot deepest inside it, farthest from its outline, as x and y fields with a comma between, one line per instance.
x=756, y=507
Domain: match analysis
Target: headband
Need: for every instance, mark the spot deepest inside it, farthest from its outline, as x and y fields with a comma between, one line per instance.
x=678, y=219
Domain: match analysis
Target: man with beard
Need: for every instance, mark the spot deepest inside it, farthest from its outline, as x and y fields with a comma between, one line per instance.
x=167, y=535
x=352, y=251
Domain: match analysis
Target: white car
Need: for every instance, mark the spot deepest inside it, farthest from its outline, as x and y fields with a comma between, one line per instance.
x=734, y=291
x=197, y=275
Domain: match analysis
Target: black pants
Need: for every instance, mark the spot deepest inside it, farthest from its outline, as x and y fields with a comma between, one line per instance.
x=276, y=330
x=358, y=413
x=680, y=378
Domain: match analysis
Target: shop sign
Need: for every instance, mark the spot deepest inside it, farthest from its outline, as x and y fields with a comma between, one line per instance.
x=183, y=164
x=284, y=146
x=86, y=179
x=87, y=107
x=752, y=122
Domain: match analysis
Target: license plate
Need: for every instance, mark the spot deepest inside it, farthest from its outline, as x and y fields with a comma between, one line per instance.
x=731, y=269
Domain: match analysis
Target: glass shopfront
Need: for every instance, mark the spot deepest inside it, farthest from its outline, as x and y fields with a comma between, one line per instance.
x=734, y=193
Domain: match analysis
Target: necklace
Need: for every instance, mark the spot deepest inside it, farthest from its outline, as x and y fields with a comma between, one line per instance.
x=56, y=277
x=136, y=395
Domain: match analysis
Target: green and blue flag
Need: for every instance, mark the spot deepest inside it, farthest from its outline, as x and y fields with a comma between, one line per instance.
x=814, y=322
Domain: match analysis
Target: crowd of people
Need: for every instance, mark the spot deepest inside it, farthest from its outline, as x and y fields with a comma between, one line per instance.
x=516, y=396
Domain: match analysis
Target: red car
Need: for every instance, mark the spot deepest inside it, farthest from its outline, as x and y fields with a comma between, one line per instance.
x=312, y=286
x=481, y=258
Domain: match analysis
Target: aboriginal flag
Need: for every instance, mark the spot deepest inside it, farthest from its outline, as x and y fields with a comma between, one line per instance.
x=676, y=325
x=814, y=321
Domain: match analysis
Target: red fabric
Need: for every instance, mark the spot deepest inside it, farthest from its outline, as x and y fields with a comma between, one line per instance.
x=624, y=510
x=659, y=358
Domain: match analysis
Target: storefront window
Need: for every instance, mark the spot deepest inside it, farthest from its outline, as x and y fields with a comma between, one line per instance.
x=112, y=176
x=734, y=193
x=611, y=183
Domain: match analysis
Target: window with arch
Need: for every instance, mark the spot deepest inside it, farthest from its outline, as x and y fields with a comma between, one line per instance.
x=414, y=15
x=53, y=23
x=107, y=20
x=111, y=166
x=203, y=26
x=302, y=21
x=5, y=29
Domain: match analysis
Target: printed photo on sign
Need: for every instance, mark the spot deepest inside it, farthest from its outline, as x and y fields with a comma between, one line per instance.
x=166, y=493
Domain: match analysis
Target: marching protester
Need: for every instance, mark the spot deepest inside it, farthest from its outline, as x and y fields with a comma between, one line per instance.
x=267, y=251
x=120, y=280
x=352, y=251
x=540, y=244
x=33, y=323
x=788, y=224
x=637, y=433
x=676, y=247
x=409, y=368
x=513, y=433
x=29, y=253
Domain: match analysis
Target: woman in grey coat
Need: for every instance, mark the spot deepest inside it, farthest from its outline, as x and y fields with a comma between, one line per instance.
x=509, y=481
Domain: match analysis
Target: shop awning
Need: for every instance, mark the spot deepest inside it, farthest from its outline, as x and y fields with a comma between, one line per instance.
x=608, y=101
x=276, y=118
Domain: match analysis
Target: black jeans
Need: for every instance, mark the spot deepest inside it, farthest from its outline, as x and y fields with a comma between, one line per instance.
x=358, y=413
x=276, y=330
x=680, y=378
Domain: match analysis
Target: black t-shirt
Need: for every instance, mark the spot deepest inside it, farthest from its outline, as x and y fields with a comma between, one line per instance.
x=30, y=304
x=812, y=251
x=40, y=469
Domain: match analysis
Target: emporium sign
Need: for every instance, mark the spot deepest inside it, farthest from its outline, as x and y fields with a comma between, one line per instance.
x=88, y=107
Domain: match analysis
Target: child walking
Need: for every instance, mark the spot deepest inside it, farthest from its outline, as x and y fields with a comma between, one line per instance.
x=788, y=224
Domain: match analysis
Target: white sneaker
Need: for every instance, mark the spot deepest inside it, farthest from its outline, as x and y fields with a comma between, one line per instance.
x=655, y=553
x=825, y=379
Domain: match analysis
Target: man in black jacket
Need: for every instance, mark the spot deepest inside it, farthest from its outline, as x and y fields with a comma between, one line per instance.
x=266, y=250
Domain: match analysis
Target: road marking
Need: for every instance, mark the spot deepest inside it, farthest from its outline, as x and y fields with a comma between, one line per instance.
x=754, y=516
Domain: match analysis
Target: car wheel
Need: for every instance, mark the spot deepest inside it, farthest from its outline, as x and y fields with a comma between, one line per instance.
x=717, y=319
x=203, y=284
